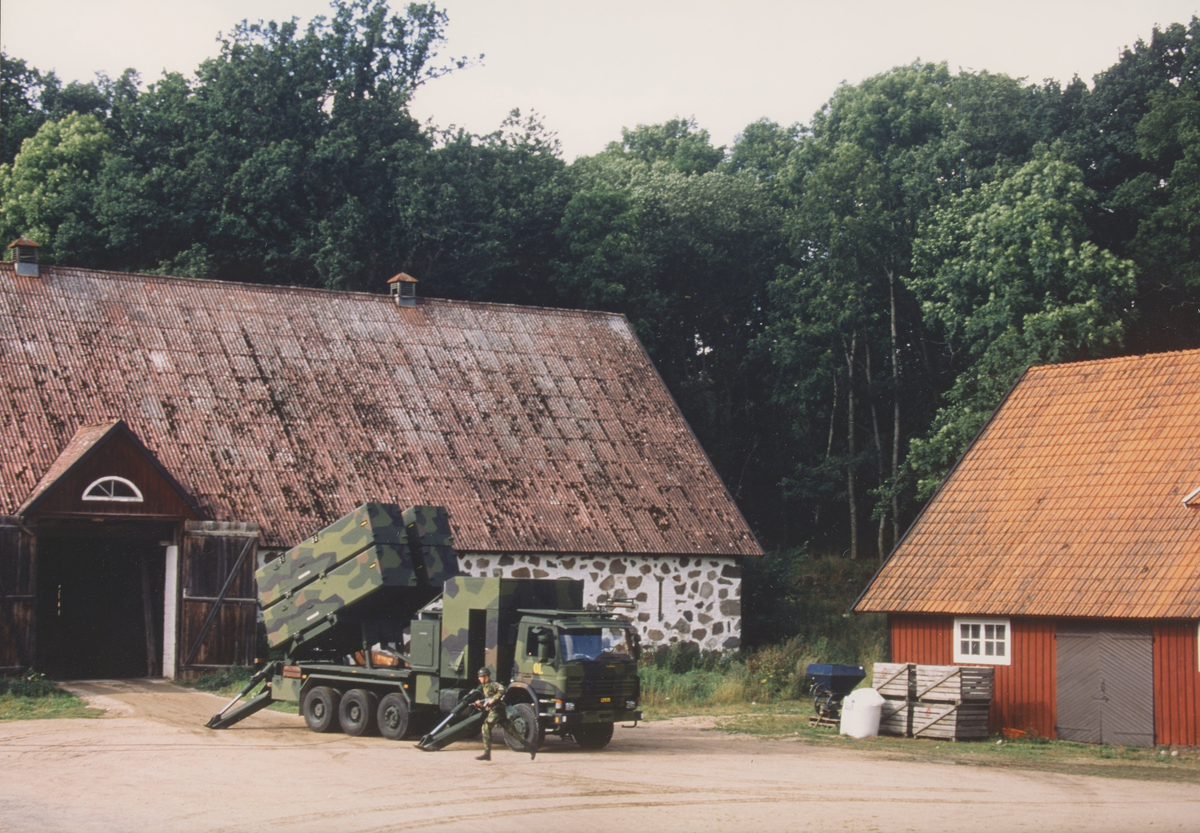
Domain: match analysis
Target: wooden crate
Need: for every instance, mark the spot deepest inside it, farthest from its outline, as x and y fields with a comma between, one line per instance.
x=891, y=679
x=950, y=721
x=953, y=684
x=893, y=719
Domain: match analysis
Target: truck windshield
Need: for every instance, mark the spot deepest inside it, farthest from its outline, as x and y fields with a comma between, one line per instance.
x=595, y=643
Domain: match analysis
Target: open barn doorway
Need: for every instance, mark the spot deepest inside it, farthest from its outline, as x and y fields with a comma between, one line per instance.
x=100, y=602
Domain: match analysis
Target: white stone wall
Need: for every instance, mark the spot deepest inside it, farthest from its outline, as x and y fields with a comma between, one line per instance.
x=676, y=598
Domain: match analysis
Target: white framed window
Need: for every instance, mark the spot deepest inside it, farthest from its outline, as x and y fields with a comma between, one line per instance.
x=982, y=641
x=113, y=489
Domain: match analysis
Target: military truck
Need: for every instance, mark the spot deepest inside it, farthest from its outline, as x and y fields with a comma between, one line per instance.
x=374, y=630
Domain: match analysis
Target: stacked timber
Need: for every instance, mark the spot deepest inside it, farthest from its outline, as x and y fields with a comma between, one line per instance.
x=952, y=702
x=893, y=681
x=949, y=702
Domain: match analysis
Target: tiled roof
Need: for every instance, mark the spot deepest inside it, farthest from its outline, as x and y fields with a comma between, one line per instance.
x=541, y=430
x=80, y=444
x=1069, y=503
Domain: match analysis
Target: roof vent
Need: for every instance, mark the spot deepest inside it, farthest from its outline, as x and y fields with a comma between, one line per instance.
x=404, y=289
x=24, y=255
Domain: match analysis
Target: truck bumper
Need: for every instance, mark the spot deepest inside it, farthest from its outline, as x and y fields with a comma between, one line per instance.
x=612, y=716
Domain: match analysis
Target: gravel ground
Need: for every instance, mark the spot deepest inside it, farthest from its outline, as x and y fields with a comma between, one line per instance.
x=150, y=765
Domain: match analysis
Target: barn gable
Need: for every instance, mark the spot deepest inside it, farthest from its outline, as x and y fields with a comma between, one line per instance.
x=104, y=469
x=1064, y=550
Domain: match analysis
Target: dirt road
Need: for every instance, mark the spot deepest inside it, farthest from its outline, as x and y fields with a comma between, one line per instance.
x=151, y=766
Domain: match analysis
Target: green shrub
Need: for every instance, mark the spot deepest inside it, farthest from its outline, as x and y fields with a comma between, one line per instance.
x=234, y=677
x=680, y=675
x=32, y=684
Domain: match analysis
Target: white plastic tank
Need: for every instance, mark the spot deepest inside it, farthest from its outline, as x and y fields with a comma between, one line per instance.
x=861, y=711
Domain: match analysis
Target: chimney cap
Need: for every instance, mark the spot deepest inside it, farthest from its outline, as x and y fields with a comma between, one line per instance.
x=403, y=277
x=24, y=241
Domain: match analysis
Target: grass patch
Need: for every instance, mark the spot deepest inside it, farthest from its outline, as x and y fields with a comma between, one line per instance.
x=790, y=722
x=33, y=697
x=679, y=679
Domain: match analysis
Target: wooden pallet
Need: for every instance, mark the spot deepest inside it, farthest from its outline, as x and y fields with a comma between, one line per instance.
x=893, y=719
x=950, y=721
x=824, y=722
x=891, y=679
x=953, y=684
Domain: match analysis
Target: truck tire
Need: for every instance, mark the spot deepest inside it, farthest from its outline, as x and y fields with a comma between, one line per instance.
x=526, y=723
x=321, y=709
x=392, y=716
x=357, y=712
x=593, y=735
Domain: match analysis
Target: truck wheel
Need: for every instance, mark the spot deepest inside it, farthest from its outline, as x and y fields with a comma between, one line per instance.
x=526, y=724
x=357, y=712
x=393, y=716
x=593, y=735
x=321, y=708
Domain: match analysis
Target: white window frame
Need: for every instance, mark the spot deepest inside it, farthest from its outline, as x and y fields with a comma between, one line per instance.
x=984, y=638
x=135, y=498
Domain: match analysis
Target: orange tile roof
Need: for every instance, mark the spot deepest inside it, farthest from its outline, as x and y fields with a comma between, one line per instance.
x=541, y=430
x=1069, y=503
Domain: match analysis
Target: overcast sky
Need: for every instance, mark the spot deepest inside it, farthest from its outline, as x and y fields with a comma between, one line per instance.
x=592, y=68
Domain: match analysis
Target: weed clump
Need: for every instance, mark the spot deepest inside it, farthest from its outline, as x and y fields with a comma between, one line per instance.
x=31, y=685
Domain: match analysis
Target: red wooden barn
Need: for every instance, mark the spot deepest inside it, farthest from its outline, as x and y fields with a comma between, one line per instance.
x=1064, y=549
x=159, y=435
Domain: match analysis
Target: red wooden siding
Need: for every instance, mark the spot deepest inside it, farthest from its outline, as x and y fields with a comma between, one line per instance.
x=925, y=640
x=119, y=457
x=1176, y=684
x=1025, y=694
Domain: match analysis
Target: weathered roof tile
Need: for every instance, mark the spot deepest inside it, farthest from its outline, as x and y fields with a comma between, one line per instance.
x=539, y=429
x=1069, y=503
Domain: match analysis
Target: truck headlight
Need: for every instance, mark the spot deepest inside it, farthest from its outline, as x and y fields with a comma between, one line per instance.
x=568, y=707
x=630, y=705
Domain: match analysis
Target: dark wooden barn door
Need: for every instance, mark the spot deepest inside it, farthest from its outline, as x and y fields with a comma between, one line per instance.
x=17, y=599
x=1105, y=680
x=218, y=599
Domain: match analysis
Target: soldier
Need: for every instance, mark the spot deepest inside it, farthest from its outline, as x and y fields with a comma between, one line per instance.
x=497, y=714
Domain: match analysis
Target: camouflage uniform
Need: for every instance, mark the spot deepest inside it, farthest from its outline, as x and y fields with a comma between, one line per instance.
x=497, y=715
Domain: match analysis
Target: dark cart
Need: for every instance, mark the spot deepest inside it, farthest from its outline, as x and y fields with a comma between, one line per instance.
x=828, y=685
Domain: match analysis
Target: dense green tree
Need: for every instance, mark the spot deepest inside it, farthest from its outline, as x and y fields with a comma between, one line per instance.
x=487, y=213
x=685, y=251
x=1007, y=277
x=49, y=191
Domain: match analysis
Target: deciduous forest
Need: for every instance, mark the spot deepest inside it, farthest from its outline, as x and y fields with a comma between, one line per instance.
x=837, y=306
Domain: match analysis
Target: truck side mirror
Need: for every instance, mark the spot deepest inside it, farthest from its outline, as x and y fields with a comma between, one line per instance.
x=635, y=645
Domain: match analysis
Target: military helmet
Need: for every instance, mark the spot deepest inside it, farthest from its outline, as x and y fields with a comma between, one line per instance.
x=486, y=671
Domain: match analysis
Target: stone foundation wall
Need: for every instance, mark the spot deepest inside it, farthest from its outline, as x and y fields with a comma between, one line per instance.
x=676, y=598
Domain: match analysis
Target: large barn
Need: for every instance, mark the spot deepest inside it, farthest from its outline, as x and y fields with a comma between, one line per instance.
x=161, y=436
x=1064, y=550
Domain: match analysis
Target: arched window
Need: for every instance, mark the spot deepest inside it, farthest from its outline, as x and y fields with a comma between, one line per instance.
x=114, y=489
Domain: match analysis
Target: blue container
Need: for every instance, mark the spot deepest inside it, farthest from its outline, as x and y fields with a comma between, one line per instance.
x=835, y=679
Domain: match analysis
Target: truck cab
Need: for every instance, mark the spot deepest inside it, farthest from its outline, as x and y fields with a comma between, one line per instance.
x=580, y=669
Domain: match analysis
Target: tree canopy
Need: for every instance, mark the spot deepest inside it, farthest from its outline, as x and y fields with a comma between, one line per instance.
x=837, y=306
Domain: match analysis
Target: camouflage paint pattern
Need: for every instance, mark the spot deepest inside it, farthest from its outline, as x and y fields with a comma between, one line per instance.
x=431, y=542
x=497, y=602
x=303, y=594
x=369, y=524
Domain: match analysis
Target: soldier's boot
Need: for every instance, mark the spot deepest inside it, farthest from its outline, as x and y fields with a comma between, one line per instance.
x=486, y=756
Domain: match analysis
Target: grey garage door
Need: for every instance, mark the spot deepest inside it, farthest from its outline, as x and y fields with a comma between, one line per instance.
x=1105, y=682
